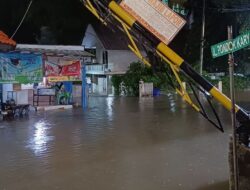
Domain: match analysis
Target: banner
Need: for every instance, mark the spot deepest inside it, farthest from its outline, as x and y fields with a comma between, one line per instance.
x=20, y=68
x=72, y=70
x=64, y=78
x=55, y=72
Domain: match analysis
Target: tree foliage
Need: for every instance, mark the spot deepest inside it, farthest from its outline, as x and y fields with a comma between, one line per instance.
x=219, y=14
x=129, y=83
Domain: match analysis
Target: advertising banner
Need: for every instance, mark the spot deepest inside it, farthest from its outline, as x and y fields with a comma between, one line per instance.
x=70, y=71
x=156, y=16
x=64, y=78
x=20, y=68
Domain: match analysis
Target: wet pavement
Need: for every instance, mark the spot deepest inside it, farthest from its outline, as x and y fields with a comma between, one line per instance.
x=117, y=144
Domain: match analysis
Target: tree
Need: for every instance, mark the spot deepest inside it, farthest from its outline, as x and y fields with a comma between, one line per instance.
x=138, y=71
x=219, y=14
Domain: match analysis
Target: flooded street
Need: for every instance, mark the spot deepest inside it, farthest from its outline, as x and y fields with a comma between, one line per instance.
x=117, y=144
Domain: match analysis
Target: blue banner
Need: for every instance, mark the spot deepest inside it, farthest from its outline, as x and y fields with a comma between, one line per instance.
x=20, y=68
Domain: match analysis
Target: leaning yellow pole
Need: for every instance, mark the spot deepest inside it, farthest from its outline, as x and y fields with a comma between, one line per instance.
x=114, y=9
x=177, y=60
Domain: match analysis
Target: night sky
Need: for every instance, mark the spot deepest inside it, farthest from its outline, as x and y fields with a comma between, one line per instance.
x=65, y=19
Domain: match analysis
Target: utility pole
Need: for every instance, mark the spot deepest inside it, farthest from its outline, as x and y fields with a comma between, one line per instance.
x=233, y=116
x=202, y=36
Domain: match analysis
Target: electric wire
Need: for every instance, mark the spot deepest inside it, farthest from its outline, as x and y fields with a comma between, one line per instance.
x=21, y=22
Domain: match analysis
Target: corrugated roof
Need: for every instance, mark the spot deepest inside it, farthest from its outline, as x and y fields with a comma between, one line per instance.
x=4, y=39
x=75, y=51
x=111, y=40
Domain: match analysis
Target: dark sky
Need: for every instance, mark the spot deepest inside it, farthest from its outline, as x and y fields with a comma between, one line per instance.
x=66, y=20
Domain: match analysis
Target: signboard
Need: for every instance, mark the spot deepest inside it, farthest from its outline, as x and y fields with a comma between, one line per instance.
x=231, y=46
x=46, y=91
x=64, y=78
x=73, y=69
x=20, y=68
x=156, y=16
x=53, y=69
x=57, y=72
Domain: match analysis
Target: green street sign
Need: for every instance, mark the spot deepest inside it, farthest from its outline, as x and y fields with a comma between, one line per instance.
x=231, y=46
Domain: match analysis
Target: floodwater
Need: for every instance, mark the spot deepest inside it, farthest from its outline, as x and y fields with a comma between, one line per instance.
x=117, y=144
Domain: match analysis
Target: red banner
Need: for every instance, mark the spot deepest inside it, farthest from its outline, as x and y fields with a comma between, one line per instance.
x=53, y=70
x=71, y=70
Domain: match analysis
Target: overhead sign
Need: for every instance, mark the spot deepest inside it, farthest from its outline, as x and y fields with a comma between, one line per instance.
x=156, y=16
x=231, y=46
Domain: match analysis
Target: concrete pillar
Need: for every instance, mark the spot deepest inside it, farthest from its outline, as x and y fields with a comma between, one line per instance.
x=141, y=88
x=220, y=86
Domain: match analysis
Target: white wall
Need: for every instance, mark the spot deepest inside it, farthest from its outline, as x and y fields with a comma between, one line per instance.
x=20, y=97
x=6, y=88
x=102, y=86
x=77, y=94
x=91, y=40
x=121, y=59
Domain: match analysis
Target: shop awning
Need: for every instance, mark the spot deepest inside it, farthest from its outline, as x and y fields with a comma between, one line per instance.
x=55, y=50
x=6, y=44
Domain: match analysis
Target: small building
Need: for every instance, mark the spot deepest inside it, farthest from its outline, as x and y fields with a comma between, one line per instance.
x=60, y=57
x=6, y=44
x=112, y=56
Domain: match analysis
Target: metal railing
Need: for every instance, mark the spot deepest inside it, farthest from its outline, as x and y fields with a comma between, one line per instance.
x=99, y=68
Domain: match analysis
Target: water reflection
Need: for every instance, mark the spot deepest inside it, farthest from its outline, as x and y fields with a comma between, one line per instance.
x=40, y=138
x=110, y=101
x=146, y=103
x=172, y=102
x=118, y=143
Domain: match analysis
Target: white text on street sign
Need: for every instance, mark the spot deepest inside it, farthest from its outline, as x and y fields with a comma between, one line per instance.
x=231, y=46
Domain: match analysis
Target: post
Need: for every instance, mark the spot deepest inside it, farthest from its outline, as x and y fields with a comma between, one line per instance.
x=202, y=37
x=184, y=86
x=141, y=88
x=233, y=116
x=220, y=86
x=84, y=84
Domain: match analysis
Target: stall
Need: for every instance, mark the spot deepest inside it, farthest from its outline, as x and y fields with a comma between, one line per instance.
x=62, y=70
x=18, y=68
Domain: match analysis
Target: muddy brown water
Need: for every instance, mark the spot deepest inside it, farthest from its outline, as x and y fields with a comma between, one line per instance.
x=117, y=144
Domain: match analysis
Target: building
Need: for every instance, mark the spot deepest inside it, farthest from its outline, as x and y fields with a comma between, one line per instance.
x=112, y=57
x=6, y=44
x=60, y=56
